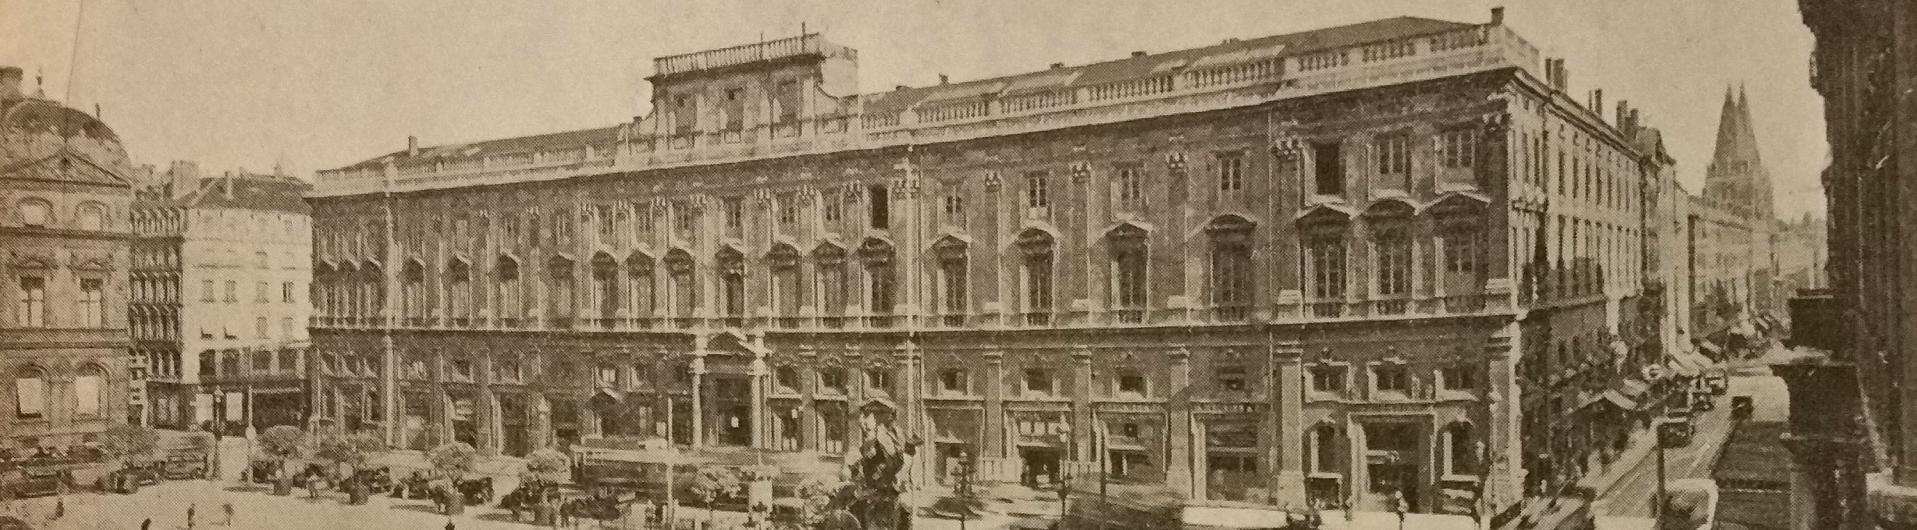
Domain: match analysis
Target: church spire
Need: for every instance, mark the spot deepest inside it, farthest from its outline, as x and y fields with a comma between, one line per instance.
x=1736, y=176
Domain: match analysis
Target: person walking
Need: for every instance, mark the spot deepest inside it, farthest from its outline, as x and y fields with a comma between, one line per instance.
x=228, y=508
x=147, y=524
x=60, y=508
x=189, y=514
x=449, y=523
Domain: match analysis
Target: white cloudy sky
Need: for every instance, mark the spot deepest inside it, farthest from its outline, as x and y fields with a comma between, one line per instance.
x=243, y=83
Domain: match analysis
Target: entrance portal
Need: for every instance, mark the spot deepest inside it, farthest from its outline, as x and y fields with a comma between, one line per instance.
x=1392, y=464
x=729, y=418
x=1041, y=466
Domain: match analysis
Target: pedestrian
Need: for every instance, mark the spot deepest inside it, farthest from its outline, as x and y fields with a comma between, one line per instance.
x=60, y=508
x=228, y=508
x=189, y=514
x=449, y=523
x=147, y=524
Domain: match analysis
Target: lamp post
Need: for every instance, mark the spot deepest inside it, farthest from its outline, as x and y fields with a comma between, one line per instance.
x=1064, y=492
x=964, y=487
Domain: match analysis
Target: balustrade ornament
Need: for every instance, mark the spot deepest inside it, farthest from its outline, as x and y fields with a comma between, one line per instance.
x=1494, y=125
x=1176, y=163
x=1288, y=148
x=993, y=181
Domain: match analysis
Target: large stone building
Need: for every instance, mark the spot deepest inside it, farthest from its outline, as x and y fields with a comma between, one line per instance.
x=1288, y=267
x=1733, y=235
x=64, y=193
x=221, y=271
x=1852, y=424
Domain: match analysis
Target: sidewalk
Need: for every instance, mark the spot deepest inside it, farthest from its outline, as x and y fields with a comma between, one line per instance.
x=1642, y=443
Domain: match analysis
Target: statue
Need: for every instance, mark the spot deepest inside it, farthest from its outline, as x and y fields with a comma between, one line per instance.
x=871, y=498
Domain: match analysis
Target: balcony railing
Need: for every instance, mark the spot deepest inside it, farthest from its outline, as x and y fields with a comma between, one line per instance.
x=1233, y=313
x=606, y=323
x=832, y=322
x=462, y=322
x=1128, y=316
x=509, y=322
x=882, y=321
x=733, y=321
x=1463, y=304
x=1393, y=307
x=789, y=322
x=685, y=322
x=952, y=321
x=1041, y=318
x=1328, y=309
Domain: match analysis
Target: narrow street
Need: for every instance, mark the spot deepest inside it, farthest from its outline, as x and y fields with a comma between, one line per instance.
x=1631, y=496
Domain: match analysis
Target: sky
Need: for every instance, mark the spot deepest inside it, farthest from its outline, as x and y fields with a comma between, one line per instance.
x=237, y=84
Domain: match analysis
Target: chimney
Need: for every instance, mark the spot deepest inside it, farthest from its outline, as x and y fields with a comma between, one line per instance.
x=1056, y=66
x=10, y=77
x=1623, y=111
x=226, y=186
x=1139, y=53
x=944, y=80
x=1497, y=15
x=1597, y=102
x=412, y=146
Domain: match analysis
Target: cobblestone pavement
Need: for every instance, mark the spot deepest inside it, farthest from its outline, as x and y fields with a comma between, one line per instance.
x=255, y=508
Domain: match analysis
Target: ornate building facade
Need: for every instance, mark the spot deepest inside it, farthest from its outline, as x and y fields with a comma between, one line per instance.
x=1851, y=422
x=222, y=270
x=1283, y=268
x=64, y=193
x=1734, y=230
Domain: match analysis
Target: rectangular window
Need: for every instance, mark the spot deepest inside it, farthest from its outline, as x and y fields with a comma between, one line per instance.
x=286, y=327
x=735, y=109
x=833, y=206
x=1328, y=168
x=786, y=97
x=1037, y=191
x=1389, y=377
x=1131, y=385
x=1231, y=172
x=877, y=379
x=232, y=291
x=259, y=292
x=1458, y=377
x=1131, y=188
x=953, y=382
x=1457, y=148
x=685, y=114
x=1328, y=268
x=786, y=379
x=684, y=220
x=1038, y=382
x=1129, y=278
x=788, y=211
x=33, y=302
x=92, y=308
x=1393, y=152
x=1460, y=253
x=881, y=205
x=259, y=327
x=734, y=208
x=1394, y=265
x=1328, y=379
x=286, y=292
x=953, y=207
x=207, y=294
x=832, y=380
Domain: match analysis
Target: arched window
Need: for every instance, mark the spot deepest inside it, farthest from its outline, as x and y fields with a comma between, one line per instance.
x=1392, y=250
x=459, y=291
x=605, y=285
x=1231, y=266
x=830, y=260
x=30, y=394
x=1126, y=245
x=372, y=290
x=412, y=290
x=685, y=293
x=92, y=216
x=953, y=265
x=89, y=391
x=1324, y=450
x=35, y=213
x=787, y=291
x=639, y=273
x=880, y=276
x=1324, y=235
x=1036, y=248
x=561, y=291
x=732, y=282
x=510, y=307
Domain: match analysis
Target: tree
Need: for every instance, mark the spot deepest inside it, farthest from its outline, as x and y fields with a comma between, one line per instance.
x=546, y=465
x=350, y=449
x=453, y=460
x=281, y=443
x=713, y=483
x=129, y=443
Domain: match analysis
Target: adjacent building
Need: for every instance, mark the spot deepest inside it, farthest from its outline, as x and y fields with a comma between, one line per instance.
x=1851, y=426
x=221, y=269
x=64, y=194
x=1332, y=265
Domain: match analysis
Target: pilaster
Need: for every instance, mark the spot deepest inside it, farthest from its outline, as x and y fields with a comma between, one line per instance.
x=1179, y=429
x=1287, y=391
x=1504, y=483
x=1082, y=428
x=995, y=405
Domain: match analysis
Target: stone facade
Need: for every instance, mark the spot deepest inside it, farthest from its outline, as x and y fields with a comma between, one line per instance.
x=223, y=267
x=64, y=196
x=1272, y=269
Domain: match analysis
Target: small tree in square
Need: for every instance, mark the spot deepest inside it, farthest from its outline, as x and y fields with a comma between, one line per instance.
x=454, y=460
x=129, y=444
x=713, y=483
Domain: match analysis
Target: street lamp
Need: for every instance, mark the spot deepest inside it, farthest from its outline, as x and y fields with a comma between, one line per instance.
x=1064, y=492
x=964, y=487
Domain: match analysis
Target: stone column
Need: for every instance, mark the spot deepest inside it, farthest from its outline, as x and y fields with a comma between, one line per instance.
x=1288, y=403
x=1504, y=485
x=756, y=380
x=994, y=420
x=909, y=368
x=1082, y=428
x=1178, y=427
x=542, y=435
x=698, y=398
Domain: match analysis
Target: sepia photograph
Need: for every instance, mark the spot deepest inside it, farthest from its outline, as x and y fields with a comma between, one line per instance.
x=958, y=265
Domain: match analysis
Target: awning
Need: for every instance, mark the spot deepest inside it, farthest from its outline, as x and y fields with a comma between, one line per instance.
x=1623, y=403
